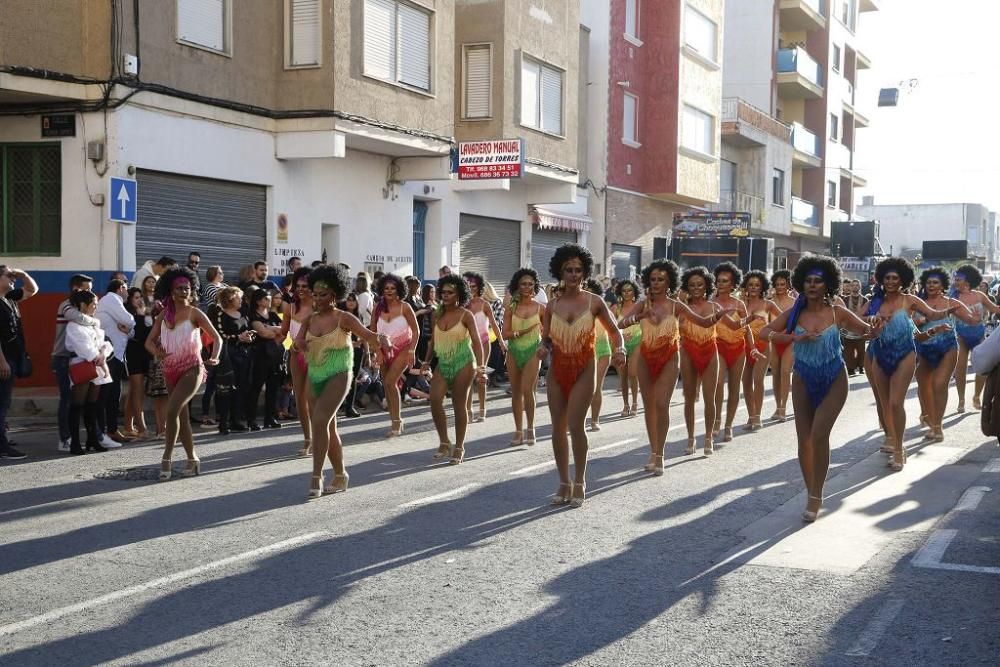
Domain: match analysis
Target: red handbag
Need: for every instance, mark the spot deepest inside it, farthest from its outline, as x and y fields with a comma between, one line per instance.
x=82, y=372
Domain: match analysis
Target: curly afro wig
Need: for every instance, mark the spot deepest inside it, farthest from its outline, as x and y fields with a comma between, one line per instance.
x=461, y=289
x=828, y=266
x=730, y=268
x=567, y=252
x=393, y=279
x=333, y=277
x=636, y=292
x=971, y=274
x=783, y=274
x=673, y=273
x=938, y=272
x=704, y=274
x=165, y=284
x=594, y=286
x=765, y=284
x=899, y=266
x=477, y=281
x=515, y=281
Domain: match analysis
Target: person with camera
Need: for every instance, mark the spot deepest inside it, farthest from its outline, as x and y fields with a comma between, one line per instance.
x=14, y=361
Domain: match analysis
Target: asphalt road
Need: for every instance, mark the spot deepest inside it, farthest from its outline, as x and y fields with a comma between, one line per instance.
x=422, y=563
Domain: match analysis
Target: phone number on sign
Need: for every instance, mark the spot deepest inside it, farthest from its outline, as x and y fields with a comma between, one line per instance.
x=490, y=171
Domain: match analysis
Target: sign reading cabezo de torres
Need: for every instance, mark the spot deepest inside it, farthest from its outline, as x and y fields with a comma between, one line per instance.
x=500, y=158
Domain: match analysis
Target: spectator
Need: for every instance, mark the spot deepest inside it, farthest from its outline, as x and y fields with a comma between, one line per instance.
x=294, y=264
x=497, y=351
x=118, y=325
x=151, y=268
x=366, y=300
x=425, y=319
x=156, y=383
x=349, y=405
x=137, y=363
x=413, y=297
x=444, y=271
x=13, y=355
x=119, y=275
x=194, y=261
x=148, y=288
x=66, y=313
x=259, y=279
x=268, y=354
x=88, y=345
x=213, y=283
x=232, y=378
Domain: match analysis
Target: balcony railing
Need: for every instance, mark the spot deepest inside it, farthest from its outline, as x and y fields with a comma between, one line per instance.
x=815, y=5
x=804, y=140
x=736, y=110
x=798, y=61
x=740, y=202
x=804, y=213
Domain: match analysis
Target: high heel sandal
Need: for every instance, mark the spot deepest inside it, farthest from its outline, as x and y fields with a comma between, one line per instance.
x=625, y=411
x=338, y=484
x=316, y=487
x=961, y=406
x=634, y=410
x=193, y=468
x=690, y=446
x=810, y=515
x=709, y=449
x=594, y=426
x=307, y=448
x=443, y=452
x=898, y=459
x=518, y=439
x=578, y=496
x=396, y=430
x=657, y=465
x=977, y=404
x=457, y=456
x=479, y=416
x=563, y=495
x=938, y=433
x=166, y=470
x=717, y=429
x=755, y=424
x=529, y=437
x=728, y=434
x=650, y=464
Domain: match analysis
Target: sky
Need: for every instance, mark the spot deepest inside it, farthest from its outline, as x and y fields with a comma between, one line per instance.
x=942, y=142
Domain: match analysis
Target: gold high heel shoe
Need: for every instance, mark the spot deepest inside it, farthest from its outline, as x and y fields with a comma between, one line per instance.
x=657, y=469
x=579, y=494
x=709, y=448
x=898, y=459
x=563, y=495
x=755, y=424
x=690, y=446
x=396, y=430
x=634, y=410
x=518, y=439
x=457, y=456
x=810, y=515
x=165, y=470
x=316, y=487
x=728, y=434
x=193, y=468
x=529, y=437
x=306, y=449
x=338, y=484
x=594, y=426
x=443, y=452
x=650, y=463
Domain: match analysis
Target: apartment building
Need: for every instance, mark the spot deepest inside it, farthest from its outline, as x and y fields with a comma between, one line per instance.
x=654, y=114
x=903, y=228
x=265, y=129
x=797, y=62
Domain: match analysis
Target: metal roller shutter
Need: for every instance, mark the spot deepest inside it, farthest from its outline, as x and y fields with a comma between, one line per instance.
x=490, y=246
x=544, y=243
x=225, y=221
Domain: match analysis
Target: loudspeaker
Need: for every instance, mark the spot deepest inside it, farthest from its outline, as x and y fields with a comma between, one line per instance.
x=853, y=239
x=691, y=251
x=945, y=250
x=756, y=253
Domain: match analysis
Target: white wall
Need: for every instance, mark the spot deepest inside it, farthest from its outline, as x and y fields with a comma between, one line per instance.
x=906, y=227
x=596, y=15
x=748, y=52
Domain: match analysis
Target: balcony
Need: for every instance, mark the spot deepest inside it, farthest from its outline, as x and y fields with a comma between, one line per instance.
x=869, y=5
x=799, y=76
x=804, y=214
x=864, y=62
x=743, y=124
x=802, y=15
x=857, y=180
x=736, y=201
x=805, y=147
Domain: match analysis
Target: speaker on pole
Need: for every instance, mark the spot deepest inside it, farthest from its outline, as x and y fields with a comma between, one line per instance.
x=853, y=238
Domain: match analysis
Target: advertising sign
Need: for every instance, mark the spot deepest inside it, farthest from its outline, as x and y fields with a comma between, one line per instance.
x=499, y=158
x=711, y=224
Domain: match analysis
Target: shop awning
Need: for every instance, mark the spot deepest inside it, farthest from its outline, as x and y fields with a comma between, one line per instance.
x=547, y=218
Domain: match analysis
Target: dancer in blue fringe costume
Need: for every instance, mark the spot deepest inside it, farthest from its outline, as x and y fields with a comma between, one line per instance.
x=965, y=281
x=819, y=378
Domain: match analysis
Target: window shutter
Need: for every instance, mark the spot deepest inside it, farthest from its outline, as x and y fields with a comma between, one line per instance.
x=628, y=122
x=552, y=99
x=202, y=22
x=477, y=81
x=305, y=37
x=529, y=93
x=414, y=47
x=380, y=39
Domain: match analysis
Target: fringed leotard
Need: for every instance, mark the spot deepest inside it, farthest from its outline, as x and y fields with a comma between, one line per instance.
x=631, y=335
x=756, y=325
x=972, y=334
x=182, y=343
x=483, y=327
x=294, y=326
x=572, y=348
x=699, y=344
x=525, y=346
x=397, y=330
x=894, y=342
x=934, y=349
x=453, y=349
x=731, y=343
x=328, y=355
x=660, y=343
x=602, y=347
x=818, y=362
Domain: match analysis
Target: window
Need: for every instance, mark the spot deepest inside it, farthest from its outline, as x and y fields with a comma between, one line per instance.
x=477, y=68
x=632, y=18
x=831, y=194
x=836, y=58
x=30, y=199
x=541, y=96
x=204, y=23
x=834, y=127
x=698, y=131
x=778, y=187
x=701, y=34
x=630, y=120
x=304, y=33
x=398, y=43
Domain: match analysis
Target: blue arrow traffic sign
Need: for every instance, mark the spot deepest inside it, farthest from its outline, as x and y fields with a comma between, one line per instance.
x=122, y=200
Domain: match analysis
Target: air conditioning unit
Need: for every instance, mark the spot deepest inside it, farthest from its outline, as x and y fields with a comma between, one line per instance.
x=95, y=150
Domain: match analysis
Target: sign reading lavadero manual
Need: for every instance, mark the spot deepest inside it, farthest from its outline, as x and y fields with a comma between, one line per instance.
x=500, y=158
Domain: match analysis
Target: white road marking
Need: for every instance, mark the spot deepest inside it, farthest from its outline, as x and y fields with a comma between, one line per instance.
x=593, y=450
x=441, y=496
x=162, y=582
x=971, y=498
x=992, y=466
x=871, y=635
x=932, y=552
